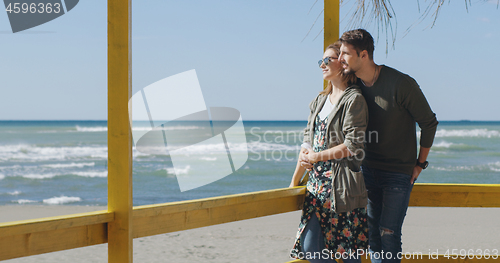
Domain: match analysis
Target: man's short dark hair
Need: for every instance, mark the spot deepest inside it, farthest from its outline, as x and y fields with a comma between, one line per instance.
x=360, y=39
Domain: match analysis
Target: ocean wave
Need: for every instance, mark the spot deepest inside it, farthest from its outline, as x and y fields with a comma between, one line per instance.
x=48, y=131
x=490, y=167
x=203, y=149
x=170, y=128
x=14, y=193
x=91, y=129
x=265, y=146
x=105, y=129
x=10, y=167
x=68, y=165
x=61, y=200
x=219, y=148
x=91, y=174
x=444, y=146
x=481, y=133
x=2, y=176
x=24, y=201
x=283, y=133
x=38, y=153
x=40, y=176
x=208, y=158
x=52, y=175
x=495, y=166
x=178, y=171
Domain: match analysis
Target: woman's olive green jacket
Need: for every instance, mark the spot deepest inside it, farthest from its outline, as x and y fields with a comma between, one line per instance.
x=346, y=124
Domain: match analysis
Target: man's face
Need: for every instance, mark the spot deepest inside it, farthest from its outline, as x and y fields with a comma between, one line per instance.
x=349, y=58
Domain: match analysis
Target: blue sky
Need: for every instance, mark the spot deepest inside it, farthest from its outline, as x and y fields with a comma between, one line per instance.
x=248, y=55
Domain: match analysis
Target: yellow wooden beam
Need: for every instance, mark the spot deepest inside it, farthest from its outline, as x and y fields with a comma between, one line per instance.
x=34, y=243
x=54, y=223
x=158, y=219
x=31, y=237
x=119, y=134
x=456, y=195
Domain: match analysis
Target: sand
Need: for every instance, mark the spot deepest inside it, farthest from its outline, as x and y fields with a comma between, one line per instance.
x=269, y=239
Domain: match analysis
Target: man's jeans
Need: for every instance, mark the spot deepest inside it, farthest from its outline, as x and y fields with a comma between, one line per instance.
x=388, y=197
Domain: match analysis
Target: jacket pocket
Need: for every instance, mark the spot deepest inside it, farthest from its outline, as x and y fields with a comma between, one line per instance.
x=358, y=187
x=350, y=190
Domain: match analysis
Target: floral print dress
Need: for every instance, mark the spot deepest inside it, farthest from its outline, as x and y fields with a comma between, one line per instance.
x=341, y=231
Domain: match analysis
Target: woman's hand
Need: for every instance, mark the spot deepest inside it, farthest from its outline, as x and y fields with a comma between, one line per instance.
x=304, y=161
x=313, y=157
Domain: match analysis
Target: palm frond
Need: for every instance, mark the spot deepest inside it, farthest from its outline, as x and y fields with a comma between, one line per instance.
x=365, y=13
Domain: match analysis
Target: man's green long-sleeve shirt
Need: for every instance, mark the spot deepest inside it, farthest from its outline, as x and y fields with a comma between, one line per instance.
x=395, y=102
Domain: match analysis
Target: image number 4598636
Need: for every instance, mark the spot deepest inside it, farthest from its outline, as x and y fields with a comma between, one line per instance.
x=25, y=14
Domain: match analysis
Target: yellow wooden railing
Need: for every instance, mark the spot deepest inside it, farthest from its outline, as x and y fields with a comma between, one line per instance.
x=118, y=225
x=32, y=237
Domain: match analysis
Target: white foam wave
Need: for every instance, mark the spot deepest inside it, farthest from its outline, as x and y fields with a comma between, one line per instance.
x=48, y=131
x=24, y=201
x=202, y=149
x=40, y=176
x=36, y=153
x=265, y=146
x=52, y=175
x=14, y=193
x=490, y=167
x=456, y=168
x=209, y=158
x=482, y=133
x=61, y=200
x=169, y=128
x=178, y=171
x=219, y=148
x=443, y=144
x=495, y=166
x=104, y=129
x=10, y=167
x=2, y=176
x=91, y=129
x=282, y=133
x=68, y=165
x=91, y=174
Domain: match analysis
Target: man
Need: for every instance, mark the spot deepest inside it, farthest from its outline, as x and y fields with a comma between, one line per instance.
x=390, y=167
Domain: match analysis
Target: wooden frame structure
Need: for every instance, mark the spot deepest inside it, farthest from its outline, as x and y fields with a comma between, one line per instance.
x=118, y=225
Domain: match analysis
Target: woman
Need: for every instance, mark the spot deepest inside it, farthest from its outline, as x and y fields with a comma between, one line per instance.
x=334, y=212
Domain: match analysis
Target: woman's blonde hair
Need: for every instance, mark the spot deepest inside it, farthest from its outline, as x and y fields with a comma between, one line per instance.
x=348, y=78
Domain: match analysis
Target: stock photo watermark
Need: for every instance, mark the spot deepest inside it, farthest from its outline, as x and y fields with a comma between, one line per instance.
x=170, y=118
x=26, y=14
x=286, y=145
x=430, y=254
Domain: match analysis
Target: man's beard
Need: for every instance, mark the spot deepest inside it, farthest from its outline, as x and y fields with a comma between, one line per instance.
x=349, y=71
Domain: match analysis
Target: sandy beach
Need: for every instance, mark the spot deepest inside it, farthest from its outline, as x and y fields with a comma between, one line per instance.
x=269, y=239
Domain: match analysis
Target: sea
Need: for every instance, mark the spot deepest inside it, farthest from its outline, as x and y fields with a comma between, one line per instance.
x=65, y=162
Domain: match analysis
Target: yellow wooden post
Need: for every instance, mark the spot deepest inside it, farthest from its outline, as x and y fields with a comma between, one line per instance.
x=331, y=24
x=119, y=134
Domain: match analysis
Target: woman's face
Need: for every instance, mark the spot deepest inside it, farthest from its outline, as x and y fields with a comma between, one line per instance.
x=334, y=67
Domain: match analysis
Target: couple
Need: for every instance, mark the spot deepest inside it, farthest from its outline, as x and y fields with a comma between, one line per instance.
x=360, y=147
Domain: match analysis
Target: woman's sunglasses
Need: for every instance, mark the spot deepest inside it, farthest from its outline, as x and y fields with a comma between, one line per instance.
x=325, y=60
